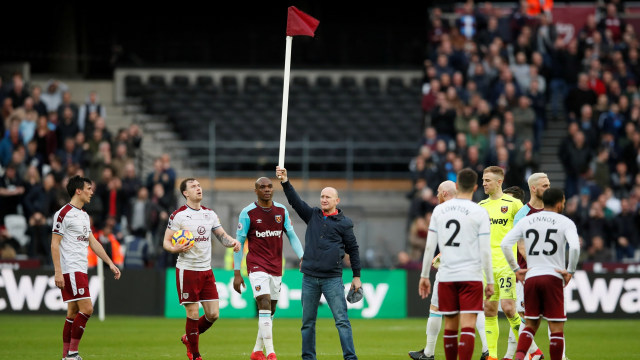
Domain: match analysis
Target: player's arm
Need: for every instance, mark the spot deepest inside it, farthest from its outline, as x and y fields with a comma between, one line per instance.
x=484, y=242
x=55, y=256
x=225, y=239
x=571, y=234
x=507, y=243
x=424, y=287
x=296, y=245
x=519, y=215
x=241, y=235
x=351, y=247
x=99, y=251
x=166, y=243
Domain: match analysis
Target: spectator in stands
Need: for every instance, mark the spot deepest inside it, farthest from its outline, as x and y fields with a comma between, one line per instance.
x=131, y=183
x=134, y=139
x=67, y=103
x=162, y=203
x=100, y=160
x=579, y=96
x=11, y=192
x=139, y=218
x=40, y=238
x=166, y=166
x=52, y=98
x=625, y=226
x=418, y=236
x=38, y=105
x=137, y=253
x=67, y=127
x=109, y=190
x=587, y=125
x=108, y=237
x=18, y=92
x=443, y=118
x=621, y=181
x=598, y=251
x=46, y=139
x=575, y=161
x=612, y=23
x=92, y=105
x=70, y=153
x=120, y=159
x=10, y=141
x=5, y=114
x=600, y=169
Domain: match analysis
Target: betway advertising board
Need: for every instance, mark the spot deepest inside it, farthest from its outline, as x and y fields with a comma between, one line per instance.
x=384, y=296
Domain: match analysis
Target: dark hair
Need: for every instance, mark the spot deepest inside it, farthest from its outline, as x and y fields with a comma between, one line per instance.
x=75, y=183
x=552, y=196
x=183, y=185
x=516, y=192
x=466, y=180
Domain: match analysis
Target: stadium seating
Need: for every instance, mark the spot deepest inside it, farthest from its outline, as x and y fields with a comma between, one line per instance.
x=382, y=117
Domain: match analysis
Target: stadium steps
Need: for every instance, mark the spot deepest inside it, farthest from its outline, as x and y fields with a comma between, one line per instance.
x=549, y=161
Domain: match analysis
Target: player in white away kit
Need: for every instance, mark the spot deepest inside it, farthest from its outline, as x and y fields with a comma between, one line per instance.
x=446, y=191
x=71, y=237
x=194, y=277
x=546, y=235
x=460, y=228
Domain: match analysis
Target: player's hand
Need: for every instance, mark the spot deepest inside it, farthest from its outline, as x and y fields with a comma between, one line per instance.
x=59, y=280
x=180, y=248
x=356, y=283
x=115, y=270
x=520, y=274
x=281, y=173
x=424, y=287
x=488, y=291
x=238, y=282
x=565, y=275
x=236, y=246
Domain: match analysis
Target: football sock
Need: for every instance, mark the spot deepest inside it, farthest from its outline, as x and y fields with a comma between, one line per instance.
x=481, y=332
x=77, y=329
x=204, y=324
x=512, y=344
x=191, y=328
x=524, y=343
x=265, y=325
x=556, y=345
x=66, y=336
x=564, y=346
x=450, y=344
x=534, y=347
x=467, y=341
x=259, y=343
x=493, y=331
x=514, y=323
x=434, y=323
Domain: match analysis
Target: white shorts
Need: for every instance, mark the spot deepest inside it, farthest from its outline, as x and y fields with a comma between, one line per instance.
x=519, y=297
x=265, y=284
x=434, y=293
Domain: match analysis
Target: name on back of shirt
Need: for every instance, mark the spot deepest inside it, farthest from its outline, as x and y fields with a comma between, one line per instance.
x=457, y=208
x=541, y=219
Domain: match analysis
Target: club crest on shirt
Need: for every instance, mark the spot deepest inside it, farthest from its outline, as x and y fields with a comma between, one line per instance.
x=201, y=230
x=185, y=295
x=504, y=209
x=278, y=219
x=81, y=291
x=207, y=216
x=258, y=287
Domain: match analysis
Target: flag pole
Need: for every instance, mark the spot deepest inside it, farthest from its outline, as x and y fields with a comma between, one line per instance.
x=285, y=101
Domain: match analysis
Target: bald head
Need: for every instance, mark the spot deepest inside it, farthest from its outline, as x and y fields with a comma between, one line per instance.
x=329, y=200
x=446, y=191
x=264, y=191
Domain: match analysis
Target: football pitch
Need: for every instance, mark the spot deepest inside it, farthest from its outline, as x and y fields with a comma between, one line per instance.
x=141, y=338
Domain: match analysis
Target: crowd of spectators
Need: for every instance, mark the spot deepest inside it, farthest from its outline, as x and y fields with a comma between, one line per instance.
x=492, y=83
x=46, y=138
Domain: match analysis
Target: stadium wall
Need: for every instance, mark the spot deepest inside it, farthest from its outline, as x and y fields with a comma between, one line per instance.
x=387, y=294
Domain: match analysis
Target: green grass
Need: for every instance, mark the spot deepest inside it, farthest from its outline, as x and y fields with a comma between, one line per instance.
x=140, y=338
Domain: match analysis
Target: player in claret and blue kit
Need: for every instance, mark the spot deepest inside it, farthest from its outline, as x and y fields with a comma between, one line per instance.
x=262, y=224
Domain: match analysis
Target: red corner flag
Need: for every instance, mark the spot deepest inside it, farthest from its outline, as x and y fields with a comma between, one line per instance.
x=299, y=23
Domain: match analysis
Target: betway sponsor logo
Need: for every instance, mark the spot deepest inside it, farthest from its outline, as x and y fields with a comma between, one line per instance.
x=606, y=295
x=374, y=296
x=268, y=233
x=502, y=222
x=35, y=293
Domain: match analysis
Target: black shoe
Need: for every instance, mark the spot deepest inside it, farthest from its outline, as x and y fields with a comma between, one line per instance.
x=419, y=355
x=485, y=355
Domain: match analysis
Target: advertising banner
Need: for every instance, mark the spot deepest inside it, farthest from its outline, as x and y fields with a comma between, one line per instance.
x=138, y=292
x=588, y=295
x=384, y=296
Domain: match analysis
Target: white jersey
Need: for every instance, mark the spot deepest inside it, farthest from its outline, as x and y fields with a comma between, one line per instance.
x=460, y=228
x=74, y=226
x=545, y=235
x=201, y=223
